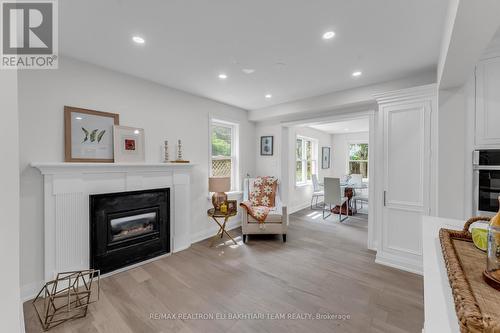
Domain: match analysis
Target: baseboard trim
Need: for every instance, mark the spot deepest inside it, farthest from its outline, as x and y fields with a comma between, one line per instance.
x=210, y=232
x=296, y=208
x=400, y=263
x=30, y=290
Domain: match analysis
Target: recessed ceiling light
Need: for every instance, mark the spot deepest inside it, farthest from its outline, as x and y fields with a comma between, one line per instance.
x=268, y=96
x=78, y=118
x=138, y=40
x=248, y=70
x=328, y=35
x=356, y=73
x=136, y=132
x=222, y=76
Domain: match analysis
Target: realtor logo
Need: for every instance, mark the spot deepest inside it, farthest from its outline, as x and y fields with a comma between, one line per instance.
x=29, y=34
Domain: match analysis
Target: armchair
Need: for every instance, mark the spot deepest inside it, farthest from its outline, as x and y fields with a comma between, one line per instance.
x=276, y=222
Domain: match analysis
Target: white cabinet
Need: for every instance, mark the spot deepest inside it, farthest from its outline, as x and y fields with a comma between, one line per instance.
x=487, y=129
x=405, y=117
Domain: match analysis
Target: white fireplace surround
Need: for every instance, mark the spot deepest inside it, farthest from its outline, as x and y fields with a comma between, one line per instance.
x=67, y=187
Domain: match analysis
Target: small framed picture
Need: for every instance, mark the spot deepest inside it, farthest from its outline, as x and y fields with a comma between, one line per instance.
x=266, y=145
x=325, y=157
x=232, y=206
x=129, y=144
x=88, y=135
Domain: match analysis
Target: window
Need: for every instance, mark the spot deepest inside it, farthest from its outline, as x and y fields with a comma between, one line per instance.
x=223, y=148
x=358, y=159
x=306, y=152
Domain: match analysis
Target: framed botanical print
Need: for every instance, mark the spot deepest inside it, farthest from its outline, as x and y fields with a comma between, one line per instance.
x=325, y=157
x=266, y=145
x=129, y=144
x=88, y=135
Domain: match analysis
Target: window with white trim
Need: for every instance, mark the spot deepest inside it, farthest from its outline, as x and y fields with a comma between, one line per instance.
x=306, y=163
x=224, y=150
x=358, y=159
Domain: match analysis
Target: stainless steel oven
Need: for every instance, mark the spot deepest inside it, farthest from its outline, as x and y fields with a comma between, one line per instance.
x=486, y=180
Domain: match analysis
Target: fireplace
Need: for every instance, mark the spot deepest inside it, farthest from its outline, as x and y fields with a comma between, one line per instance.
x=128, y=227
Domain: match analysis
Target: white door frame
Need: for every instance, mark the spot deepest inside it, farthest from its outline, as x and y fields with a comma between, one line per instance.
x=373, y=153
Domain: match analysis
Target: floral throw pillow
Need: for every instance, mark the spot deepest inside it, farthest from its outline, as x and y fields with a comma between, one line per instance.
x=263, y=192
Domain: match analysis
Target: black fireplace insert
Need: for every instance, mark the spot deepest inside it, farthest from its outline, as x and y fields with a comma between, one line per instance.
x=128, y=227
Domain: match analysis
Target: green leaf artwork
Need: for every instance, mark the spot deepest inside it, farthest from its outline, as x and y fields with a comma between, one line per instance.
x=86, y=135
x=101, y=134
x=92, y=135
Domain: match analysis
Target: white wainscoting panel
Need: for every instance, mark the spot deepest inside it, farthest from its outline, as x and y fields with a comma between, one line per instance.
x=71, y=231
x=407, y=140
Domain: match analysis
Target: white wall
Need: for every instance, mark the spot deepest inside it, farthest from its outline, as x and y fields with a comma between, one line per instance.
x=340, y=150
x=299, y=196
x=163, y=112
x=452, y=154
x=268, y=165
x=9, y=204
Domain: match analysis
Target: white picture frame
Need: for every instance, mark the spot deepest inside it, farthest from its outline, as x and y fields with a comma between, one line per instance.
x=128, y=144
x=325, y=157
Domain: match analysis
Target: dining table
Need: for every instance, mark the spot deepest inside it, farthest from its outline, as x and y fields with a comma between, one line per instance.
x=349, y=189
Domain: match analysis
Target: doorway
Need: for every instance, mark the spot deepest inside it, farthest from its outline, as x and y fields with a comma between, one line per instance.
x=339, y=146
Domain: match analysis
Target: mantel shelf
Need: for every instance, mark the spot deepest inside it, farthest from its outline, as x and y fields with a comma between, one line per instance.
x=63, y=167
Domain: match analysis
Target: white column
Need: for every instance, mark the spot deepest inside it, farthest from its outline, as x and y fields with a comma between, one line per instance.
x=10, y=303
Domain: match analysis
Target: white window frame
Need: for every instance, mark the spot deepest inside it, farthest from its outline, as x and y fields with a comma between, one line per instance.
x=314, y=159
x=235, y=184
x=358, y=142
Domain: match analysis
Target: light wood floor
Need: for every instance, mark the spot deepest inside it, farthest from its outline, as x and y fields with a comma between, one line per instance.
x=323, y=268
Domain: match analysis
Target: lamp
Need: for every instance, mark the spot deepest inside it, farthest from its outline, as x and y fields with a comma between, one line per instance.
x=219, y=185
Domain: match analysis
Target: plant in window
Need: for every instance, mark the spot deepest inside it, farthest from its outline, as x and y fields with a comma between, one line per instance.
x=358, y=159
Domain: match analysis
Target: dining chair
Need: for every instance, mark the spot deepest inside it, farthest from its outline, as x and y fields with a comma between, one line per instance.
x=317, y=191
x=333, y=196
x=357, y=181
x=360, y=197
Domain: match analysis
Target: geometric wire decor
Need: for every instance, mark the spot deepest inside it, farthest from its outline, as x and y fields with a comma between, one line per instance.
x=67, y=297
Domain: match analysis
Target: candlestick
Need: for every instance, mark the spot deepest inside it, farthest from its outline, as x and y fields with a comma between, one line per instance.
x=165, y=149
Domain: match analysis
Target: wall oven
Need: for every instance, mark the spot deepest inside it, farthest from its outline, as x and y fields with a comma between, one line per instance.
x=486, y=165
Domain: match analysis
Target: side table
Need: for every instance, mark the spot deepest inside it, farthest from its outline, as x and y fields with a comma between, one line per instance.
x=215, y=214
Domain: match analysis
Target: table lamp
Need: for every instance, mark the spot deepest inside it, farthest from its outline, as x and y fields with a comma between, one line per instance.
x=219, y=185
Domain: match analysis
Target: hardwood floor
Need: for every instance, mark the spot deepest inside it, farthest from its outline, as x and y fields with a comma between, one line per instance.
x=324, y=267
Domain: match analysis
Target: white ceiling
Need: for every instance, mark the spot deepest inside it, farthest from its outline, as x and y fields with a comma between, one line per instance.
x=344, y=127
x=189, y=42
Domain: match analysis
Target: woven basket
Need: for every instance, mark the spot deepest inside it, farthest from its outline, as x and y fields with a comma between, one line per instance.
x=476, y=303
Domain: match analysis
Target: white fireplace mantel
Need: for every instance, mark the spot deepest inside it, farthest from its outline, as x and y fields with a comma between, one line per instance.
x=67, y=187
x=58, y=168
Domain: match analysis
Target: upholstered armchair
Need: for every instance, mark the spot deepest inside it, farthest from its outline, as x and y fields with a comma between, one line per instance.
x=276, y=222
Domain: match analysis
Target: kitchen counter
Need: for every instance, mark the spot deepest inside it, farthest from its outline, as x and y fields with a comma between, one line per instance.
x=440, y=315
